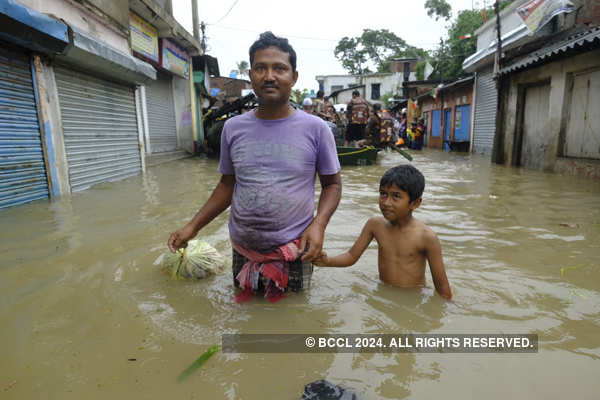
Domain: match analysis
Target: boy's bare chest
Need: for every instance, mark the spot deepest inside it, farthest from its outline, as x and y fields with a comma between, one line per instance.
x=396, y=245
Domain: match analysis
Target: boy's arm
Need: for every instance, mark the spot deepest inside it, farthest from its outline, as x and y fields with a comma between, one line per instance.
x=436, y=265
x=351, y=256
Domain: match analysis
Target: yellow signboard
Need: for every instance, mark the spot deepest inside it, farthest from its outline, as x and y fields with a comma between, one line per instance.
x=144, y=37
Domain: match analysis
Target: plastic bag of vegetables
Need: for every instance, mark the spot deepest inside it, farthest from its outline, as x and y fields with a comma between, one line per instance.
x=198, y=260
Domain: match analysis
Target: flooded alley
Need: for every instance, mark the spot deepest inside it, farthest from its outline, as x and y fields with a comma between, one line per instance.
x=86, y=313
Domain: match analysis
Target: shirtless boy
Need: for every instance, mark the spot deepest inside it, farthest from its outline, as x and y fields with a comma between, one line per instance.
x=405, y=243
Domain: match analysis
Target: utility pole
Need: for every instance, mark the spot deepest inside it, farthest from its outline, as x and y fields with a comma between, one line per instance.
x=195, y=19
x=498, y=147
x=497, y=60
x=442, y=60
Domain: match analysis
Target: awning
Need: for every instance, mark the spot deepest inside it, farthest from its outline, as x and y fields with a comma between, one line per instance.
x=589, y=38
x=485, y=55
x=95, y=55
x=31, y=29
x=457, y=83
x=211, y=63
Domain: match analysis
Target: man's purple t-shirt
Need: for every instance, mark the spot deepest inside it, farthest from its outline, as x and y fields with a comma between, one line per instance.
x=275, y=164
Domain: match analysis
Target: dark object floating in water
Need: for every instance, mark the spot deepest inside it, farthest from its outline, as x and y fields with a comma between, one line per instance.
x=323, y=390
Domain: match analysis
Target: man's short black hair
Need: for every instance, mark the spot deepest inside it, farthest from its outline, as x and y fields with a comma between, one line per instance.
x=355, y=93
x=268, y=39
x=406, y=178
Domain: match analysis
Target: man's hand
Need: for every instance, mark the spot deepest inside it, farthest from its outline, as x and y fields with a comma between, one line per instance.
x=179, y=238
x=322, y=260
x=218, y=202
x=311, y=241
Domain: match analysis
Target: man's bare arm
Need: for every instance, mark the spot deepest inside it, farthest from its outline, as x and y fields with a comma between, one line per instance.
x=436, y=265
x=331, y=193
x=218, y=202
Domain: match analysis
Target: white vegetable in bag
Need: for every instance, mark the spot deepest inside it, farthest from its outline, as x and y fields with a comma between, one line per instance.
x=198, y=260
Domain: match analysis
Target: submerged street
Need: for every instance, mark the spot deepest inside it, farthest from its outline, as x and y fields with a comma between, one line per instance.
x=86, y=313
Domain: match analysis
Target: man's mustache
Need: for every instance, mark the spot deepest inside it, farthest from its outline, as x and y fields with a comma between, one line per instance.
x=270, y=86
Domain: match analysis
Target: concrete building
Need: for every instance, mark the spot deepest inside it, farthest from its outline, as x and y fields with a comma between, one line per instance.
x=374, y=85
x=205, y=69
x=81, y=89
x=514, y=33
x=447, y=116
x=550, y=114
x=343, y=96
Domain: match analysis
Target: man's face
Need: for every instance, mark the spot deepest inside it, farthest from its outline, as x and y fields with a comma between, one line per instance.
x=272, y=76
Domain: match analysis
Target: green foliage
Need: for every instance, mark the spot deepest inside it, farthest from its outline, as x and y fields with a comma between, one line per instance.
x=439, y=9
x=420, y=70
x=377, y=46
x=381, y=44
x=298, y=95
x=242, y=68
x=447, y=60
x=351, y=57
x=386, y=99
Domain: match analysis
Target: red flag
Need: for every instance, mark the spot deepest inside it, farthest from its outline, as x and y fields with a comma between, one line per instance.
x=483, y=15
x=467, y=36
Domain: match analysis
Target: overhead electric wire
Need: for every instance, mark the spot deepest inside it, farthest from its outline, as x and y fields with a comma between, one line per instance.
x=226, y=14
x=282, y=34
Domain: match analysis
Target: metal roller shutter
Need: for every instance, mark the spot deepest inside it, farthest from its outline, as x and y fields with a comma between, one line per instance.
x=100, y=128
x=22, y=168
x=161, y=115
x=484, y=123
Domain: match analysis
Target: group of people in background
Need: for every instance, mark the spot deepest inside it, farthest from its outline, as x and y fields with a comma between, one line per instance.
x=368, y=125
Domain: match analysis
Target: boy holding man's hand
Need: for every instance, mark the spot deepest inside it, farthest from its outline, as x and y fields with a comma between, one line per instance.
x=405, y=243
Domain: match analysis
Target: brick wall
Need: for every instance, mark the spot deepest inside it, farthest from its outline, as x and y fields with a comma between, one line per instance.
x=230, y=87
x=589, y=13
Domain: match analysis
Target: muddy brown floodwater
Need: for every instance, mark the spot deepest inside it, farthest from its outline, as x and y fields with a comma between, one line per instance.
x=85, y=313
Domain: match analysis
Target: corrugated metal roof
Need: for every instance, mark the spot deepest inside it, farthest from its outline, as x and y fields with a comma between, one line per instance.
x=457, y=82
x=571, y=42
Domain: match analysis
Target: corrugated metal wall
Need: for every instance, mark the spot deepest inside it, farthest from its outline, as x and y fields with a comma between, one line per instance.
x=100, y=128
x=22, y=169
x=161, y=115
x=484, y=121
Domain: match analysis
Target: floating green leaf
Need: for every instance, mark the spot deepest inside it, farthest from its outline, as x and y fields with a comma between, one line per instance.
x=198, y=363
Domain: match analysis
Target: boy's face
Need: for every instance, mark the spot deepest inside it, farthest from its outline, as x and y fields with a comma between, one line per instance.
x=395, y=203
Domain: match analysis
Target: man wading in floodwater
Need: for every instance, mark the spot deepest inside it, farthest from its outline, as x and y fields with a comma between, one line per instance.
x=269, y=160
